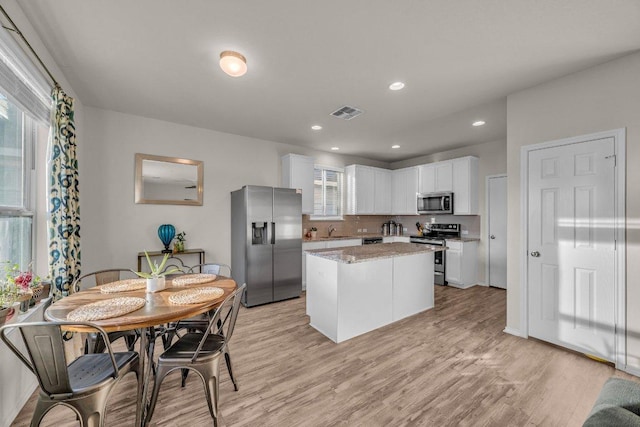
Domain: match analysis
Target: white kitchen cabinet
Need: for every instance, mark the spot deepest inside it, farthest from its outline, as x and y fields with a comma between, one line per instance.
x=382, y=191
x=436, y=177
x=394, y=239
x=465, y=186
x=405, y=188
x=297, y=172
x=368, y=190
x=461, y=263
x=322, y=244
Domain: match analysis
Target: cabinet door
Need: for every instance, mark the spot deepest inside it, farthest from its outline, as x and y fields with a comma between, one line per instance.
x=427, y=178
x=461, y=187
x=297, y=172
x=453, y=266
x=364, y=190
x=411, y=192
x=398, y=198
x=343, y=243
x=443, y=176
x=382, y=191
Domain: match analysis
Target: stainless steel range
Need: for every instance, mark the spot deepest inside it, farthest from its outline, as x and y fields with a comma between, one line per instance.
x=436, y=235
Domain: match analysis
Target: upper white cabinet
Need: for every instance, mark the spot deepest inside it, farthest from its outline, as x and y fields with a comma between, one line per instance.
x=382, y=191
x=297, y=172
x=368, y=190
x=459, y=176
x=436, y=177
x=404, y=184
x=465, y=186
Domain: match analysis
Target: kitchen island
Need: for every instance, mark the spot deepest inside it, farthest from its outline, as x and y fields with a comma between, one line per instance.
x=354, y=290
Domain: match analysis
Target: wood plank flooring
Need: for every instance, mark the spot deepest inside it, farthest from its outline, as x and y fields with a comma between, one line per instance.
x=449, y=366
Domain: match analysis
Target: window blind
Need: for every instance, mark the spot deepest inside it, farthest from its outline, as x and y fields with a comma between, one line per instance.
x=21, y=81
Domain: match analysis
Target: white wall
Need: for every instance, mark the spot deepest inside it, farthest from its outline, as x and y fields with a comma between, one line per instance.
x=600, y=98
x=492, y=160
x=115, y=229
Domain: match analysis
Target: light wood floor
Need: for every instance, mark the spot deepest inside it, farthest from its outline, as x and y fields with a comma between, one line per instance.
x=452, y=365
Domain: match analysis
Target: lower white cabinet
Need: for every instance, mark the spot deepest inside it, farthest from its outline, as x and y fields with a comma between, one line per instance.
x=394, y=239
x=461, y=263
x=323, y=244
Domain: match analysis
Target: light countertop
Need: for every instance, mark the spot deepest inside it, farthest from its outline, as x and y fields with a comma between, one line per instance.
x=341, y=237
x=353, y=254
x=463, y=239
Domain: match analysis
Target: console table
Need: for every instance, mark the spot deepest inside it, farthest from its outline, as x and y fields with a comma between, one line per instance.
x=198, y=252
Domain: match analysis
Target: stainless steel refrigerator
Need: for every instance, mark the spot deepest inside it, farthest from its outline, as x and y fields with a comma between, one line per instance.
x=266, y=243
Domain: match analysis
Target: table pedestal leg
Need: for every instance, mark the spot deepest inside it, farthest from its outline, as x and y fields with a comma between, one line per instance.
x=146, y=363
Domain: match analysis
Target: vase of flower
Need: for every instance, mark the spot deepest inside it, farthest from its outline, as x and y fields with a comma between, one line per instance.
x=156, y=276
x=178, y=244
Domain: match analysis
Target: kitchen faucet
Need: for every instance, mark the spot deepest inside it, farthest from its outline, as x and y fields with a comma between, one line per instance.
x=331, y=229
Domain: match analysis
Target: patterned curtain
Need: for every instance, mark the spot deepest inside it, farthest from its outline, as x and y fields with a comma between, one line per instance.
x=64, y=208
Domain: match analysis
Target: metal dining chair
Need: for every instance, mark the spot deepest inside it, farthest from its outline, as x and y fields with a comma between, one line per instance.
x=200, y=323
x=84, y=385
x=201, y=352
x=94, y=343
x=212, y=268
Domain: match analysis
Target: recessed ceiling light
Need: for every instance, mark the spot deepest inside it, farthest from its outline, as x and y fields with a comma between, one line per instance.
x=478, y=123
x=395, y=146
x=335, y=148
x=233, y=63
x=316, y=127
x=396, y=86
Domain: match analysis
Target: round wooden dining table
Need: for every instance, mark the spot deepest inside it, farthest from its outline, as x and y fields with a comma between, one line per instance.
x=158, y=310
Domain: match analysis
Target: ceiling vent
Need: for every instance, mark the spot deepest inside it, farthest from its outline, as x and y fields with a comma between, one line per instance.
x=347, y=113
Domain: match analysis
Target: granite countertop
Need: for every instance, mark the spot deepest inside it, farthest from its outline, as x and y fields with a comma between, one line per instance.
x=464, y=239
x=341, y=237
x=353, y=254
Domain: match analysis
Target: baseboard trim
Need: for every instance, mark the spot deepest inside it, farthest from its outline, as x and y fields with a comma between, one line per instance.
x=513, y=331
x=631, y=370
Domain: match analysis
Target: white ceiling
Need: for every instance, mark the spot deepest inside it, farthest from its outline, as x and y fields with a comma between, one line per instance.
x=459, y=60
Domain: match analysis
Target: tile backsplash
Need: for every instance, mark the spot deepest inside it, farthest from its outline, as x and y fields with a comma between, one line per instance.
x=353, y=225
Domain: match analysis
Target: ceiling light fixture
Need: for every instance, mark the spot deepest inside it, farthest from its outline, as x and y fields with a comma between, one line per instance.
x=478, y=123
x=316, y=127
x=396, y=86
x=335, y=148
x=395, y=146
x=233, y=63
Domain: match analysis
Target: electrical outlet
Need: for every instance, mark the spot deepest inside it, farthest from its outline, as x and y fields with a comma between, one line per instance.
x=359, y=230
x=364, y=230
x=464, y=232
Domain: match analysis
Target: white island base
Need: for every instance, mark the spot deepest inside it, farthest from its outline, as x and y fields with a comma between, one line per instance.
x=345, y=300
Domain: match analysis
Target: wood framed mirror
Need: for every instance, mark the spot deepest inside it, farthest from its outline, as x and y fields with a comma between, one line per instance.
x=168, y=180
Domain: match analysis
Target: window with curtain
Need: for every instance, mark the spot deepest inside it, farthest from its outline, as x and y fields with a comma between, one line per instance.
x=25, y=106
x=17, y=142
x=327, y=193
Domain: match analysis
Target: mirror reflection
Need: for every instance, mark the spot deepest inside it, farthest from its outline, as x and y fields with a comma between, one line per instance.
x=168, y=180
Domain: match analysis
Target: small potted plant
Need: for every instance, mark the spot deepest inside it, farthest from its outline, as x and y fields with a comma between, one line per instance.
x=178, y=245
x=156, y=276
x=314, y=233
x=26, y=283
x=8, y=295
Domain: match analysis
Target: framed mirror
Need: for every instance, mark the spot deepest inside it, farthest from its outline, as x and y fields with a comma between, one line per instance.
x=168, y=180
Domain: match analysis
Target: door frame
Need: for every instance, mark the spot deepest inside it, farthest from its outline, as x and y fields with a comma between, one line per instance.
x=486, y=222
x=619, y=137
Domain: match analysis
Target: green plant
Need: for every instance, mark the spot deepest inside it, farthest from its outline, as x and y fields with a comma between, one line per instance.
x=180, y=236
x=156, y=270
x=314, y=229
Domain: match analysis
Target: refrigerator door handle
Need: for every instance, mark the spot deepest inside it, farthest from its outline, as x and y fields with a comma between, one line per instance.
x=273, y=233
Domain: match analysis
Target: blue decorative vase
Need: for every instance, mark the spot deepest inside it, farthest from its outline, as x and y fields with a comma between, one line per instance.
x=166, y=233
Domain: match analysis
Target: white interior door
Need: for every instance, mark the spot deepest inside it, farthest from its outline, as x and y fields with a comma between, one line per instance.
x=571, y=246
x=497, y=242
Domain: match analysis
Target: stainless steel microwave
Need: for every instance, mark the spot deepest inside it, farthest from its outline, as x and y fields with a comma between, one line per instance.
x=435, y=203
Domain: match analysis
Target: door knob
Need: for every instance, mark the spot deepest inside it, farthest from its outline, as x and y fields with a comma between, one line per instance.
x=492, y=236
x=535, y=254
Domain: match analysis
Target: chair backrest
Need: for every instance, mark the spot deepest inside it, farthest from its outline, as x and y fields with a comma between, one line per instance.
x=45, y=355
x=212, y=268
x=223, y=321
x=101, y=277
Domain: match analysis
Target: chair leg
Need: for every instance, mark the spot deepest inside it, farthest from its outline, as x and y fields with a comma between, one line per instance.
x=211, y=391
x=227, y=359
x=42, y=407
x=162, y=372
x=184, y=373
